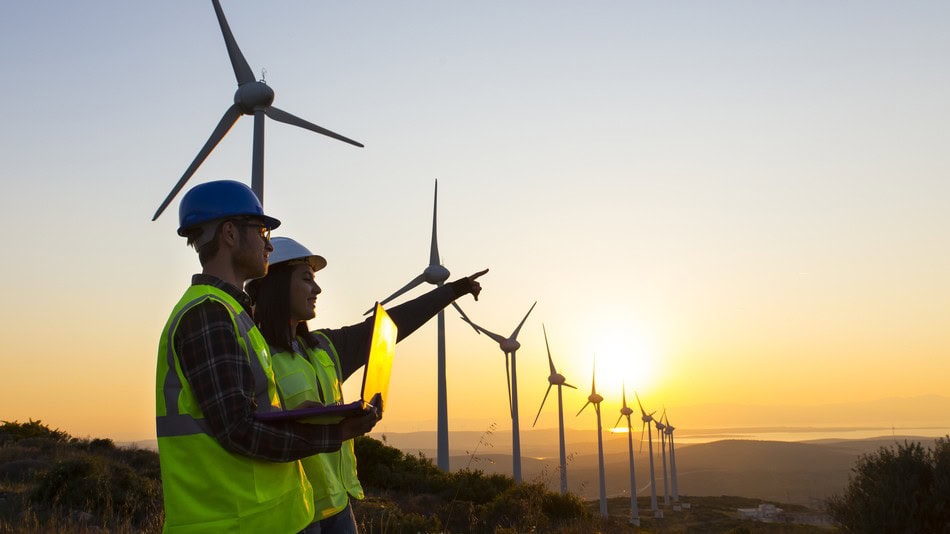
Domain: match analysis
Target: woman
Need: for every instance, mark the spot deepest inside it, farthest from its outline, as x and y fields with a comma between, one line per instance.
x=310, y=366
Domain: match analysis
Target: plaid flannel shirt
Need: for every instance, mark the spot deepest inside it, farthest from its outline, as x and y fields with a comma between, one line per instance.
x=220, y=376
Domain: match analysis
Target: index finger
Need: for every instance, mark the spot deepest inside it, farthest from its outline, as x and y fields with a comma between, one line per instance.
x=476, y=275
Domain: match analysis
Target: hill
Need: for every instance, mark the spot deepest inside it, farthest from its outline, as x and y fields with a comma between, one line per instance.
x=50, y=481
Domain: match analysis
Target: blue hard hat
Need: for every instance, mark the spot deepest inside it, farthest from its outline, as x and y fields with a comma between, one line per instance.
x=217, y=200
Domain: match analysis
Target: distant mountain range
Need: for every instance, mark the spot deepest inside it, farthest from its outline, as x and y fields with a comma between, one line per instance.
x=800, y=472
x=899, y=412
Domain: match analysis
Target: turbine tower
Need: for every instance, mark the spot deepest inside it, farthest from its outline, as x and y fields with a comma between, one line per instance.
x=252, y=97
x=435, y=274
x=596, y=399
x=660, y=430
x=647, y=418
x=509, y=345
x=626, y=411
x=556, y=379
x=676, y=496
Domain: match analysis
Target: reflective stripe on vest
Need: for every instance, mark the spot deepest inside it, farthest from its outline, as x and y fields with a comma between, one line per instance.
x=206, y=487
x=332, y=475
x=178, y=424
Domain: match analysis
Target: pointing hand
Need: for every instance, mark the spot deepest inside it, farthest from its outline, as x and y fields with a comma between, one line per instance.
x=469, y=284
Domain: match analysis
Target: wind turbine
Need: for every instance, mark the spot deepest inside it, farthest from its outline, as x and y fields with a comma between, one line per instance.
x=435, y=274
x=647, y=418
x=556, y=379
x=676, y=496
x=660, y=429
x=252, y=97
x=626, y=411
x=595, y=399
x=509, y=345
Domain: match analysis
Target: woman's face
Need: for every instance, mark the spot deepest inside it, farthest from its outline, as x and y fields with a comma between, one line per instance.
x=303, y=293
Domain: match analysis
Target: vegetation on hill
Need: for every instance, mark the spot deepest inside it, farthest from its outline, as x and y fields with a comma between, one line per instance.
x=902, y=489
x=50, y=481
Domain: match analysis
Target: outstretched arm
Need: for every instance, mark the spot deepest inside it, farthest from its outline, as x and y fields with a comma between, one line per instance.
x=352, y=342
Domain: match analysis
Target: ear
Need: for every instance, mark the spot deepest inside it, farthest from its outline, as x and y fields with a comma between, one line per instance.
x=229, y=234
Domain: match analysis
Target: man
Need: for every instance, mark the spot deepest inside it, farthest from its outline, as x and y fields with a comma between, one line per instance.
x=222, y=470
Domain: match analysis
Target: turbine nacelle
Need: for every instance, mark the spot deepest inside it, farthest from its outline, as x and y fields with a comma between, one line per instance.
x=626, y=411
x=595, y=398
x=510, y=345
x=646, y=418
x=252, y=95
x=436, y=274
x=557, y=379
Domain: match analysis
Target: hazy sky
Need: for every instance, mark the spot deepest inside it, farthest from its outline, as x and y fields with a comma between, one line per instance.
x=727, y=202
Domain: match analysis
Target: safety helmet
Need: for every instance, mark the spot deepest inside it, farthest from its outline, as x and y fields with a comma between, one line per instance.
x=219, y=199
x=287, y=250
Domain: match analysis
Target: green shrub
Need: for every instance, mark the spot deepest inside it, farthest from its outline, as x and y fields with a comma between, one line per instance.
x=103, y=488
x=22, y=470
x=906, y=489
x=16, y=431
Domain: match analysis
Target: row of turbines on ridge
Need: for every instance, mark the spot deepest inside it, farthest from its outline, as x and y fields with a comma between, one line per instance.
x=255, y=97
x=435, y=273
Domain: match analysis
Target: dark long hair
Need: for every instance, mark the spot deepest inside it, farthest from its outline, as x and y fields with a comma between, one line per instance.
x=271, y=296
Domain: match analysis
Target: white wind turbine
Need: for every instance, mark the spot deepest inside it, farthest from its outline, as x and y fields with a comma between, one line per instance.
x=660, y=430
x=435, y=274
x=251, y=98
x=647, y=418
x=595, y=399
x=556, y=379
x=509, y=345
x=676, y=496
x=626, y=411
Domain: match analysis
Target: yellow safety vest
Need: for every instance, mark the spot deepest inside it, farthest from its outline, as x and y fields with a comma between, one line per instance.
x=316, y=377
x=207, y=488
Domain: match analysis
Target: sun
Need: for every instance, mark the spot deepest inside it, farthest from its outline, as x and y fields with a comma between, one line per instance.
x=628, y=360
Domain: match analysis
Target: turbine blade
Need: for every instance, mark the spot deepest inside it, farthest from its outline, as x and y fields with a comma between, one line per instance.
x=582, y=407
x=641, y=436
x=511, y=409
x=434, y=245
x=542, y=405
x=282, y=116
x=227, y=121
x=568, y=385
x=242, y=71
x=618, y=420
x=415, y=281
x=498, y=339
x=593, y=381
x=640, y=404
x=624, y=394
x=514, y=335
x=550, y=361
x=465, y=317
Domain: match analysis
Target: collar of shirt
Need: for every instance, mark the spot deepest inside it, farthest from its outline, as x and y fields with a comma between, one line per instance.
x=214, y=281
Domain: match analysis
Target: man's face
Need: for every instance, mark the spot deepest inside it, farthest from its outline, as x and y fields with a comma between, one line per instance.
x=250, y=257
x=303, y=293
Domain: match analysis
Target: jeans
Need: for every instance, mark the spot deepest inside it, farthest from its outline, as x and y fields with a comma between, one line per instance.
x=343, y=522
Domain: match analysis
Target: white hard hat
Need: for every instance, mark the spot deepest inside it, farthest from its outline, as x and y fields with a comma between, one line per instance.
x=287, y=250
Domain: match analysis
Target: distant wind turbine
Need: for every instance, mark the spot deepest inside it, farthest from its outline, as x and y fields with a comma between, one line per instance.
x=556, y=379
x=509, y=345
x=251, y=98
x=435, y=274
x=595, y=399
x=660, y=430
x=626, y=411
x=647, y=418
x=669, y=432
